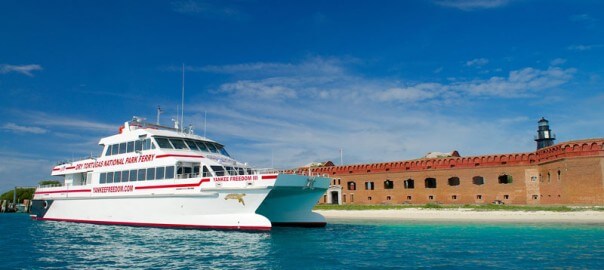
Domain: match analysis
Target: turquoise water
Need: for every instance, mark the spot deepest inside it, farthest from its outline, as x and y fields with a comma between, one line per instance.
x=27, y=244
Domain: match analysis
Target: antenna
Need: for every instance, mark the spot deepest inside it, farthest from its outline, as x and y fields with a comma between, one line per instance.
x=205, y=121
x=182, y=106
x=159, y=111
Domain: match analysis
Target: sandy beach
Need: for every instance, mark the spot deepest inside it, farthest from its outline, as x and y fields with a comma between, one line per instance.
x=467, y=215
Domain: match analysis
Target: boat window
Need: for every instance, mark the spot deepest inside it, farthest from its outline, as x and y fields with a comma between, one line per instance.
x=138, y=145
x=117, y=177
x=141, y=174
x=192, y=145
x=241, y=171
x=103, y=178
x=206, y=172
x=195, y=171
x=218, y=170
x=212, y=147
x=147, y=144
x=130, y=147
x=170, y=172
x=159, y=173
x=201, y=146
x=150, y=173
x=230, y=171
x=109, y=177
x=114, y=149
x=223, y=151
x=125, y=176
x=178, y=144
x=122, y=148
x=132, y=175
x=108, y=152
x=249, y=171
x=163, y=143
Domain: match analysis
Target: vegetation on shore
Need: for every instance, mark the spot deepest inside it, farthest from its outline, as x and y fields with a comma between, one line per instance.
x=26, y=193
x=485, y=207
x=22, y=194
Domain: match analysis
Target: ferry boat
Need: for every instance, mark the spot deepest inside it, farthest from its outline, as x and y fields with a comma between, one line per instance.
x=158, y=176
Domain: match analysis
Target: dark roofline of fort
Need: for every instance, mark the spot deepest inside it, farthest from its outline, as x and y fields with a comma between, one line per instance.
x=578, y=148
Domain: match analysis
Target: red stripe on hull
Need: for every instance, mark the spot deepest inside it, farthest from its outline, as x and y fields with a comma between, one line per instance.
x=175, y=185
x=175, y=155
x=267, y=177
x=63, y=191
x=161, y=225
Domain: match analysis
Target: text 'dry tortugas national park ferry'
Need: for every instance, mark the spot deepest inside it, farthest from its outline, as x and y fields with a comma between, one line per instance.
x=151, y=175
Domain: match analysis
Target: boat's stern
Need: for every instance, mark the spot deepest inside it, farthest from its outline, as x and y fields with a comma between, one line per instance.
x=291, y=199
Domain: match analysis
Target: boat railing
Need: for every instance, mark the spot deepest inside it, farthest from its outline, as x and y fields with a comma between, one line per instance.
x=50, y=185
x=266, y=171
x=68, y=161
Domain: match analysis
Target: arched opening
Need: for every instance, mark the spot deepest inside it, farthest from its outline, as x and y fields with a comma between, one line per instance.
x=478, y=180
x=505, y=179
x=409, y=183
x=430, y=182
x=388, y=184
x=454, y=181
x=352, y=185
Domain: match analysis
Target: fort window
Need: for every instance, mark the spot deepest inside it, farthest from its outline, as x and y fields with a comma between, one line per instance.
x=408, y=198
x=388, y=184
x=339, y=181
x=351, y=197
x=369, y=198
x=479, y=197
x=478, y=180
x=559, y=176
x=534, y=178
x=431, y=197
x=369, y=186
x=388, y=198
x=505, y=179
x=549, y=177
x=506, y=197
x=454, y=197
x=430, y=182
x=409, y=184
x=352, y=185
x=454, y=181
x=535, y=197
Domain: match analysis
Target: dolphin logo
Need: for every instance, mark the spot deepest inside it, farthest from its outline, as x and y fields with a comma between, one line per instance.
x=236, y=196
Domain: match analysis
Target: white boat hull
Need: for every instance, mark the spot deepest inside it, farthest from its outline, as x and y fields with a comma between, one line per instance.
x=286, y=200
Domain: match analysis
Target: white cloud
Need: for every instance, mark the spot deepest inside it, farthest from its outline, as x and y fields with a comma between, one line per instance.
x=264, y=89
x=468, y=5
x=519, y=83
x=23, y=69
x=206, y=8
x=557, y=61
x=378, y=119
x=583, y=47
x=477, y=62
x=23, y=129
x=414, y=93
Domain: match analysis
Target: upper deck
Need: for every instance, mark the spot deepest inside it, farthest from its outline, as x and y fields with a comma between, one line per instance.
x=137, y=144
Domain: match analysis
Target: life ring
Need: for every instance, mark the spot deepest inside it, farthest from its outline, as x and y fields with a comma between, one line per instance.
x=45, y=204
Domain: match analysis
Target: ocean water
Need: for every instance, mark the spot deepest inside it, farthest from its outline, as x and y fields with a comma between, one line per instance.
x=27, y=244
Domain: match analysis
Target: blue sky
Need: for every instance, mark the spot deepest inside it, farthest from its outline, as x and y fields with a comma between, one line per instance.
x=298, y=81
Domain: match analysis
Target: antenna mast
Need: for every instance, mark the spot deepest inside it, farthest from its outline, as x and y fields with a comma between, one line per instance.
x=159, y=111
x=205, y=121
x=182, y=106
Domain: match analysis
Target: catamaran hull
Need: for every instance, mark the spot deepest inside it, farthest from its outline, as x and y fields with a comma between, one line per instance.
x=288, y=201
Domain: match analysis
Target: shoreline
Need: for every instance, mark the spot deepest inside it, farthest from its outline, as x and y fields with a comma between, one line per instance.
x=466, y=215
